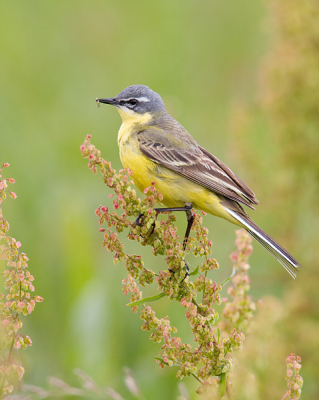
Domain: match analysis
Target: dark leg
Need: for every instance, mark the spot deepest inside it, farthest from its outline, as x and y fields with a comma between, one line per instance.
x=188, y=206
x=189, y=215
x=190, y=220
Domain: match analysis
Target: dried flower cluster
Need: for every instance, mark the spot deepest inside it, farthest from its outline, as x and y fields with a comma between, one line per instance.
x=210, y=361
x=294, y=380
x=18, y=300
x=238, y=313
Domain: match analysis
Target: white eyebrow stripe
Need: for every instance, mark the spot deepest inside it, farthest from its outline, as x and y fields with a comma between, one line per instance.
x=144, y=99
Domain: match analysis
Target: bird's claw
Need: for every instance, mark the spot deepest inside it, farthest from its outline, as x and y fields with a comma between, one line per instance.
x=139, y=222
x=139, y=219
x=186, y=275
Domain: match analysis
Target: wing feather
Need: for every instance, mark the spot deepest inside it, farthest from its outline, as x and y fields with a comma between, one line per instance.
x=195, y=163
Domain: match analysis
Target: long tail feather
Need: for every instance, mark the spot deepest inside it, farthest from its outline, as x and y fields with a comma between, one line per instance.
x=274, y=248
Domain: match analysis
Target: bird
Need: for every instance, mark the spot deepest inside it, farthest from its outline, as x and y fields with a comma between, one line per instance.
x=157, y=148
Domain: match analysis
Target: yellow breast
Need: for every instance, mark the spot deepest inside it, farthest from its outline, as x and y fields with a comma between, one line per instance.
x=176, y=189
x=130, y=154
x=131, y=121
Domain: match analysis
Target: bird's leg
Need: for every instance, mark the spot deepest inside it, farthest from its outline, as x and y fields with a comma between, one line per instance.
x=188, y=206
x=190, y=220
x=189, y=216
x=139, y=220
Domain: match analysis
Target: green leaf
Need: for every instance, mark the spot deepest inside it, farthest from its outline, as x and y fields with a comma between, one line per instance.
x=195, y=272
x=222, y=385
x=146, y=300
x=218, y=334
x=228, y=279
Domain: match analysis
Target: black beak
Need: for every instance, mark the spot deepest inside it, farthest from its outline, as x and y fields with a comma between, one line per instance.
x=111, y=101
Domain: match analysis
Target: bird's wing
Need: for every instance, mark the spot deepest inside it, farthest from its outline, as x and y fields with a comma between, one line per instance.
x=195, y=163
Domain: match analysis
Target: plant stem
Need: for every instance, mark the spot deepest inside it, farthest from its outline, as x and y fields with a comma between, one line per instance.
x=205, y=284
x=197, y=378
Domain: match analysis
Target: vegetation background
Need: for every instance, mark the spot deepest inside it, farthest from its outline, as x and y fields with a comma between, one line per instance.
x=243, y=78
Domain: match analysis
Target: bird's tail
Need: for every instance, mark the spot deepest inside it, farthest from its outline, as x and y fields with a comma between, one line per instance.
x=274, y=248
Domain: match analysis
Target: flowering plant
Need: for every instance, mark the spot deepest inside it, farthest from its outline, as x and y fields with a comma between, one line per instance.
x=210, y=361
x=294, y=380
x=18, y=300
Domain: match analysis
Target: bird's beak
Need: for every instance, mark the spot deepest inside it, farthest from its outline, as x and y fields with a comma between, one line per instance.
x=111, y=101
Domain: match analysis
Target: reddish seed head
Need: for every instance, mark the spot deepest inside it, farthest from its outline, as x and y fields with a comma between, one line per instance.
x=17, y=345
x=29, y=309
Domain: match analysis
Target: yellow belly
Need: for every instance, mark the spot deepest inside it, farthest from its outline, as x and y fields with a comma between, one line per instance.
x=176, y=189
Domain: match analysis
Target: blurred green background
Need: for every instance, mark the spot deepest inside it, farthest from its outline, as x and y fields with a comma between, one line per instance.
x=232, y=73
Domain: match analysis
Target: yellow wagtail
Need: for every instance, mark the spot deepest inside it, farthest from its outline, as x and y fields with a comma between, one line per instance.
x=156, y=148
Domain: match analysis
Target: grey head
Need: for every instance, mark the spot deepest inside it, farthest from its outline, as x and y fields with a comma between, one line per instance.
x=136, y=98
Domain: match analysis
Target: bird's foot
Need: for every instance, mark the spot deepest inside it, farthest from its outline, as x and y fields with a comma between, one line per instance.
x=139, y=222
x=139, y=219
x=186, y=274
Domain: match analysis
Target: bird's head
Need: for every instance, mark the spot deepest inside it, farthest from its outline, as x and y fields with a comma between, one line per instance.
x=136, y=101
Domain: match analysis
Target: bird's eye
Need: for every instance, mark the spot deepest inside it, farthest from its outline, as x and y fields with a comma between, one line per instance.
x=132, y=102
